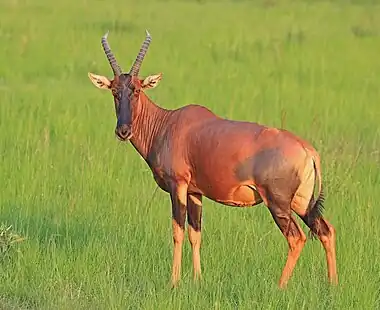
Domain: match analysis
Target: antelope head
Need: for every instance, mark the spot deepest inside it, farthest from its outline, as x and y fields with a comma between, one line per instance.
x=125, y=87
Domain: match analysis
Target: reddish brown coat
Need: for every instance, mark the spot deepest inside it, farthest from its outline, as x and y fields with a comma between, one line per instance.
x=194, y=153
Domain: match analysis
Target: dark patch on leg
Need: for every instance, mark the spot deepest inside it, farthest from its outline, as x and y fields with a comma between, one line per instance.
x=194, y=212
x=178, y=212
x=317, y=228
x=282, y=217
x=321, y=228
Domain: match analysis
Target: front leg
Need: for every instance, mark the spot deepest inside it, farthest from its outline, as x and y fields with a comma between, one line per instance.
x=194, y=219
x=178, y=199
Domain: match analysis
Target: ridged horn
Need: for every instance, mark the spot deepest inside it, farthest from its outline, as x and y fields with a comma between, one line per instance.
x=140, y=57
x=111, y=57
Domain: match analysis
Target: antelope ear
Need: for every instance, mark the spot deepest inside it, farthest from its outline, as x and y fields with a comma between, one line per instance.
x=151, y=81
x=99, y=81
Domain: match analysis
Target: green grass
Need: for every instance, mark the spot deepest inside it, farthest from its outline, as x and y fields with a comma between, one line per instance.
x=99, y=234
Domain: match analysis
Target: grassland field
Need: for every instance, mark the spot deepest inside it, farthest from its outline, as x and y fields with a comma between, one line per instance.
x=98, y=230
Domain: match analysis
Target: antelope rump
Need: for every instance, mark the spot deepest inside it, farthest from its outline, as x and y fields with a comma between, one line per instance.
x=194, y=153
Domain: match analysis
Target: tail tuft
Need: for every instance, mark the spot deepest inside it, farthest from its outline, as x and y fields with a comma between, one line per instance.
x=315, y=208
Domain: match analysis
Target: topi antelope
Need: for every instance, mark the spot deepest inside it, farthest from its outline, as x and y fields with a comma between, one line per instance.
x=194, y=153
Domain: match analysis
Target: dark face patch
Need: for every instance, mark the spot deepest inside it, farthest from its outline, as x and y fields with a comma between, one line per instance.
x=124, y=94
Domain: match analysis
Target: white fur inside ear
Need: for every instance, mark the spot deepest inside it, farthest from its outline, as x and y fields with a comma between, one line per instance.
x=99, y=81
x=151, y=81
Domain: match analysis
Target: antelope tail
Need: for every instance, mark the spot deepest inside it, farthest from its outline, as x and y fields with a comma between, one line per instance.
x=316, y=207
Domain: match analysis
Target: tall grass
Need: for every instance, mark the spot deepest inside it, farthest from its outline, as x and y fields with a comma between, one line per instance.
x=99, y=234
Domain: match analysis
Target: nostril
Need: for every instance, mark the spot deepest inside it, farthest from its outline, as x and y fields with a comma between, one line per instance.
x=123, y=131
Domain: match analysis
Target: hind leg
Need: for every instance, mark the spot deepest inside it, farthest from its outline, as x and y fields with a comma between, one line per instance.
x=293, y=234
x=323, y=229
x=326, y=234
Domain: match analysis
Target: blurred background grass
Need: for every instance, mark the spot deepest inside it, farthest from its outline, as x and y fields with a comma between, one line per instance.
x=99, y=234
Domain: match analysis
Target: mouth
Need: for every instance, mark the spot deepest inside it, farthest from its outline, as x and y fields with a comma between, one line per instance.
x=124, y=139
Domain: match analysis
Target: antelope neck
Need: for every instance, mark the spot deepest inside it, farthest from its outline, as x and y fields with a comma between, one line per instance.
x=148, y=124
